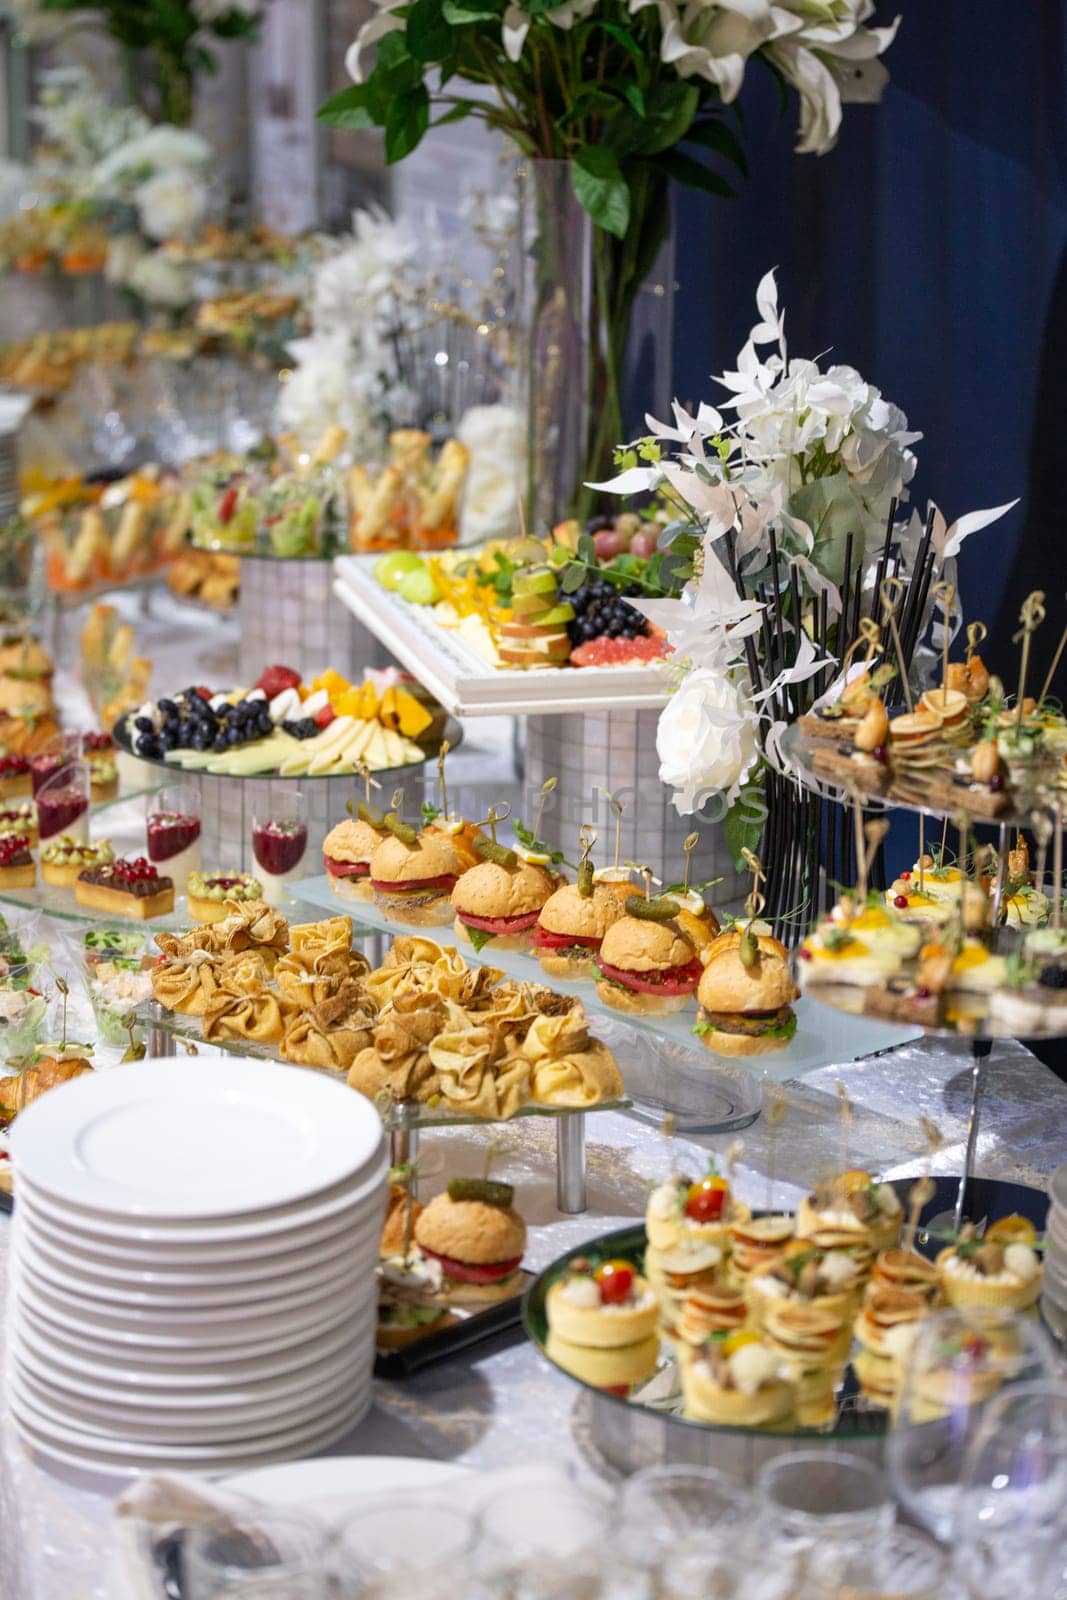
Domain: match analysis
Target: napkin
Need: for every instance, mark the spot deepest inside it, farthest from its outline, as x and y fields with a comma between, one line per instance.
x=154, y=1509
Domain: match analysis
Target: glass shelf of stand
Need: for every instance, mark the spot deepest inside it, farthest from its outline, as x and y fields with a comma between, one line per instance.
x=973, y=1022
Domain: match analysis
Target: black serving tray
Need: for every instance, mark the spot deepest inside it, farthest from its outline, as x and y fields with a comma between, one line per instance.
x=472, y=1327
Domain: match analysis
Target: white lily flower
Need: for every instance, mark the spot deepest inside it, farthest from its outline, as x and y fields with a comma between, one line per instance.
x=377, y=28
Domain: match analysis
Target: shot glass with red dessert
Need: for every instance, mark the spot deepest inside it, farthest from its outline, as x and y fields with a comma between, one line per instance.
x=172, y=826
x=279, y=844
x=98, y=752
x=15, y=780
x=63, y=803
x=57, y=754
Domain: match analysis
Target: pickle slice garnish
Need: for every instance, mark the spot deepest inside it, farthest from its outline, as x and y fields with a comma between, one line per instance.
x=651, y=910
x=489, y=850
x=585, y=879
x=403, y=830
x=487, y=1190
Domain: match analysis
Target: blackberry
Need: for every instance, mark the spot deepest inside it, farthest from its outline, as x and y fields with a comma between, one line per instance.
x=1053, y=977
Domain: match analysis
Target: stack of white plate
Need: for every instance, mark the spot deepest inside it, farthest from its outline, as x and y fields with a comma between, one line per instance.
x=1054, y=1297
x=193, y=1265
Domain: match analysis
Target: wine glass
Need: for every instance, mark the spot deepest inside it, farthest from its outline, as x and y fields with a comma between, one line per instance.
x=660, y=1506
x=172, y=826
x=279, y=843
x=900, y=1564
x=63, y=803
x=404, y=1547
x=823, y=1496
x=1012, y=1504
x=958, y=1362
x=277, y=1555
x=58, y=753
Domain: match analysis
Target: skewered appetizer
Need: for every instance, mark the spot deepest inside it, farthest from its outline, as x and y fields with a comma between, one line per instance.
x=347, y=850
x=412, y=875
x=885, y=1329
x=746, y=994
x=499, y=900
x=738, y=1381
x=571, y=926
x=853, y=1213
x=477, y=1239
x=648, y=966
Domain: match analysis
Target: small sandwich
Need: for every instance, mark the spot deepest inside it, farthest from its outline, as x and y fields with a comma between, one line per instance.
x=477, y=1239
x=500, y=899
x=410, y=1302
x=412, y=876
x=1035, y=1004
x=648, y=967
x=572, y=925
x=738, y=1381
x=746, y=994
x=347, y=851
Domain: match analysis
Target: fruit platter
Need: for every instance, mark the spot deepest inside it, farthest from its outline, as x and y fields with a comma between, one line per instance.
x=515, y=625
x=284, y=727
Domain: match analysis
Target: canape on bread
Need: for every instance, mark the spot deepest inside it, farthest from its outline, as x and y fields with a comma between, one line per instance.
x=828, y=1280
x=717, y=1308
x=681, y=1212
x=346, y=853
x=647, y=965
x=412, y=877
x=602, y=1307
x=410, y=1300
x=746, y=994
x=500, y=900
x=757, y=1242
x=571, y=926
x=885, y=1312
x=904, y=1269
x=477, y=1239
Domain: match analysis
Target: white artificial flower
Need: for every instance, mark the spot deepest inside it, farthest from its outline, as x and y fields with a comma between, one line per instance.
x=171, y=204
x=158, y=149
x=496, y=439
x=210, y=11
x=124, y=252
x=385, y=22
x=516, y=23
x=371, y=263
x=162, y=282
x=830, y=58
x=707, y=739
x=329, y=386
x=714, y=39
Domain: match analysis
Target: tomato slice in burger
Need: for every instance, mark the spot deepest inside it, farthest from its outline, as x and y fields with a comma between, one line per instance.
x=562, y=941
x=346, y=869
x=466, y=1272
x=672, y=980
x=499, y=924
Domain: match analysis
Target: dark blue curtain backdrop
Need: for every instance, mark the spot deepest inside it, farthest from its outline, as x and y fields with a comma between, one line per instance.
x=927, y=250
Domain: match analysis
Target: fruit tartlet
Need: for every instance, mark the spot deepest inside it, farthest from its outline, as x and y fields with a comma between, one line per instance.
x=829, y=1280
x=681, y=1211
x=738, y=1381
x=979, y=1273
x=63, y=859
x=20, y=819
x=211, y=894
x=126, y=889
x=17, y=869
x=15, y=779
x=851, y=1212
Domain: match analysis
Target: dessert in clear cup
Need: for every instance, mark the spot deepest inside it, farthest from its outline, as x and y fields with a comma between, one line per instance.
x=279, y=844
x=172, y=827
x=63, y=804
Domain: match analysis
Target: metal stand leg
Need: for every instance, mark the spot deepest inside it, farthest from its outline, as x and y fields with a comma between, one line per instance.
x=160, y=1042
x=404, y=1150
x=570, y=1163
x=980, y=1051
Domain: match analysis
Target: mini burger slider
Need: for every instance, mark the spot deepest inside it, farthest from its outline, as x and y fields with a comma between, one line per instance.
x=476, y=1238
x=500, y=899
x=347, y=851
x=746, y=994
x=412, y=875
x=648, y=966
x=572, y=925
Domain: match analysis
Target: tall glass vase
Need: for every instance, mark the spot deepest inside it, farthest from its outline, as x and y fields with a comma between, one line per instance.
x=595, y=318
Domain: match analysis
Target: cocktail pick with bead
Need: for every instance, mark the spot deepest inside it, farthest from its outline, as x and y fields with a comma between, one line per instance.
x=1032, y=615
x=587, y=839
x=1041, y=825
x=924, y=1189
x=976, y=633
x=845, y=1105
x=441, y=754
x=547, y=788
x=1050, y=675
x=494, y=816
x=748, y=949
x=892, y=595
x=616, y=806
x=689, y=844
x=1057, y=868
x=944, y=592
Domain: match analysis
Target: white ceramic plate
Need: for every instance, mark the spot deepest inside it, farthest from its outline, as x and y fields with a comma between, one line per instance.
x=85, y=1451
x=253, y=1337
x=343, y=1200
x=138, y=1369
x=225, y=1324
x=202, y=1426
x=235, y=1264
x=284, y=1386
x=99, y=1294
x=332, y=1483
x=179, y=1138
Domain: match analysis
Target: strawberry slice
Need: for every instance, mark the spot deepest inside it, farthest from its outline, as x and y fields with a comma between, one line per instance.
x=323, y=718
x=228, y=505
x=276, y=678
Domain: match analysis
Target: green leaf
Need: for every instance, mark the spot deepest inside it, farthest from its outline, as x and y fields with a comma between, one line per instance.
x=586, y=547
x=624, y=37
x=743, y=828
x=693, y=174
x=349, y=109
x=478, y=937
x=572, y=579
x=601, y=189
x=590, y=103
x=635, y=95
x=428, y=33
x=671, y=108
x=458, y=14
x=406, y=121
x=719, y=136
x=461, y=109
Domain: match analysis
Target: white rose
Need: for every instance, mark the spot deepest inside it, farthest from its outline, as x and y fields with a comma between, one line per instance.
x=707, y=739
x=495, y=437
x=161, y=282
x=171, y=204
